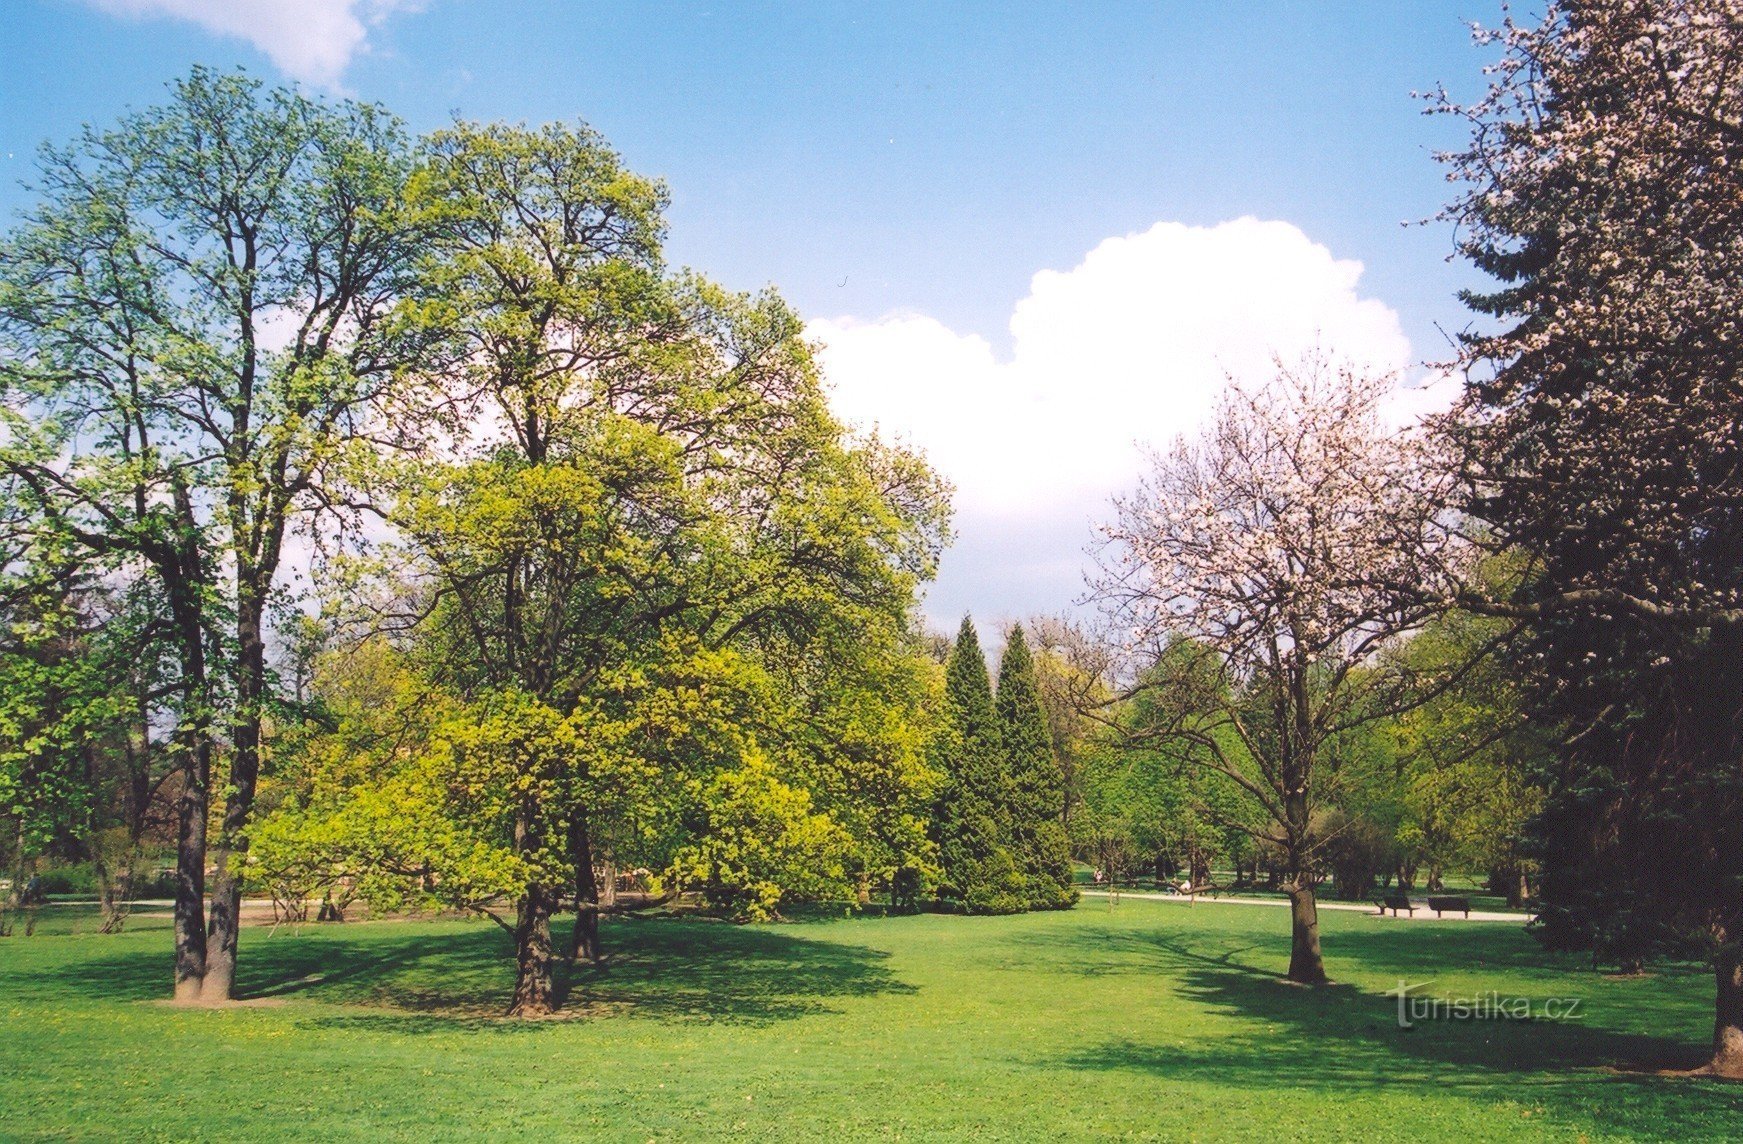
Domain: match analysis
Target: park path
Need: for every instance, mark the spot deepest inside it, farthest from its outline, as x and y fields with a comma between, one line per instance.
x=1423, y=913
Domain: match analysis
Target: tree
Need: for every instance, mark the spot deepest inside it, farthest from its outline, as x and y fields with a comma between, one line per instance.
x=81, y=675
x=196, y=324
x=971, y=820
x=646, y=522
x=1601, y=443
x=1470, y=760
x=1071, y=671
x=1037, y=785
x=1263, y=567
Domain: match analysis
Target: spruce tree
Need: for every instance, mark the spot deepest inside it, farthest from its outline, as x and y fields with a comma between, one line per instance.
x=1035, y=784
x=979, y=875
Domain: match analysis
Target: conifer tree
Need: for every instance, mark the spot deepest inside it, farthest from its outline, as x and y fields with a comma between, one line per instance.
x=1035, y=788
x=979, y=875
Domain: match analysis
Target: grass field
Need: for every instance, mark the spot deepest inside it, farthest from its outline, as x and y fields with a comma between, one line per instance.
x=1155, y=1020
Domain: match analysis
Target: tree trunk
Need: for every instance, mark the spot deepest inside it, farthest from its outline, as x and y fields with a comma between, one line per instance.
x=607, y=883
x=224, y=927
x=584, y=941
x=190, y=906
x=1728, y=1013
x=534, y=987
x=330, y=910
x=1305, y=963
x=112, y=887
x=13, y=903
x=183, y=576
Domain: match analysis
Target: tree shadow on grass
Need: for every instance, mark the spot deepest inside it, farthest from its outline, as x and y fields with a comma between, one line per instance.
x=692, y=969
x=1344, y=1039
x=662, y=969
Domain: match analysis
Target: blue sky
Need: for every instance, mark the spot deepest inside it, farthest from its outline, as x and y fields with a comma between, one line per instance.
x=903, y=171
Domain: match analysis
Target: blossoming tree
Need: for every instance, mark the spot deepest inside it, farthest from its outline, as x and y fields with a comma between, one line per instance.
x=1259, y=571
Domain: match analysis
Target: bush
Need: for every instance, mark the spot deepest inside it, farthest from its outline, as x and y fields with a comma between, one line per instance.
x=78, y=878
x=1045, y=893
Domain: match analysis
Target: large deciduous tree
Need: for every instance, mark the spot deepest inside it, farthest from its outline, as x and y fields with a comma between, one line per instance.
x=195, y=315
x=1603, y=443
x=650, y=558
x=1263, y=567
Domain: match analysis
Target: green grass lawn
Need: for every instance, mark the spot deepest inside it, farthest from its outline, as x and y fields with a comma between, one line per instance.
x=1155, y=1020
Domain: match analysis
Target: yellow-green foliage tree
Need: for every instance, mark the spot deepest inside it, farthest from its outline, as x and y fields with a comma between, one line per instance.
x=662, y=594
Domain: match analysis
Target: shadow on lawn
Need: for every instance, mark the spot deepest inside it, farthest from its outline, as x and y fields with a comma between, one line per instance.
x=663, y=969
x=1344, y=1038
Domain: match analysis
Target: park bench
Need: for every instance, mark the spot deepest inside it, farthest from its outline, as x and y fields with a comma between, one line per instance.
x=1395, y=902
x=1439, y=903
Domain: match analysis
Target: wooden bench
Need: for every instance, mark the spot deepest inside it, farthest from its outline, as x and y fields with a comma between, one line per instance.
x=1437, y=903
x=1395, y=902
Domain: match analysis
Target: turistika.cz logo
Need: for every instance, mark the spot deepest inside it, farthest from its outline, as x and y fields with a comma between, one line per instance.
x=1491, y=1006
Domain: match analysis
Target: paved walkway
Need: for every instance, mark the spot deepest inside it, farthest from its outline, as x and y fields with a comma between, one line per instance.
x=1423, y=913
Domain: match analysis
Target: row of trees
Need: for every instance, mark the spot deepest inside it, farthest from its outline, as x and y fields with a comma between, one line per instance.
x=611, y=587
x=999, y=821
x=1520, y=626
x=387, y=519
x=1446, y=785
x=602, y=579
x=1600, y=439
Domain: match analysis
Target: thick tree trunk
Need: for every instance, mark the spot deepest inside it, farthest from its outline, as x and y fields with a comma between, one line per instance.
x=190, y=905
x=224, y=926
x=183, y=575
x=1305, y=963
x=534, y=984
x=1728, y=1014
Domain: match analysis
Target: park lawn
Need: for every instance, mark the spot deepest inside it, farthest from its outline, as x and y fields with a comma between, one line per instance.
x=1152, y=1020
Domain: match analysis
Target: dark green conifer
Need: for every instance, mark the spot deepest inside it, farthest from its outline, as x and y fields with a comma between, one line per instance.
x=978, y=873
x=1034, y=813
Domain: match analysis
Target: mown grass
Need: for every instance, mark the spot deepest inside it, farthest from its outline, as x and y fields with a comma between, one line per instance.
x=1153, y=1020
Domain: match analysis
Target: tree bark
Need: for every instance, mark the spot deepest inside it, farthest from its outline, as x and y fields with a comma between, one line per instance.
x=1728, y=1013
x=584, y=940
x=534, y=985
x=112, y=889
x=224, y=927
x=190, y=906
x=181, y=567
x=1305, y=963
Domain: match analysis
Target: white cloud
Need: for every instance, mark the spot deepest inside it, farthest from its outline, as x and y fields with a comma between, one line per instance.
x=309, y=40
x=1129, y=347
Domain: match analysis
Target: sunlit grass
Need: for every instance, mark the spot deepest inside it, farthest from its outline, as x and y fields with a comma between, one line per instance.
x=1150, y=1020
